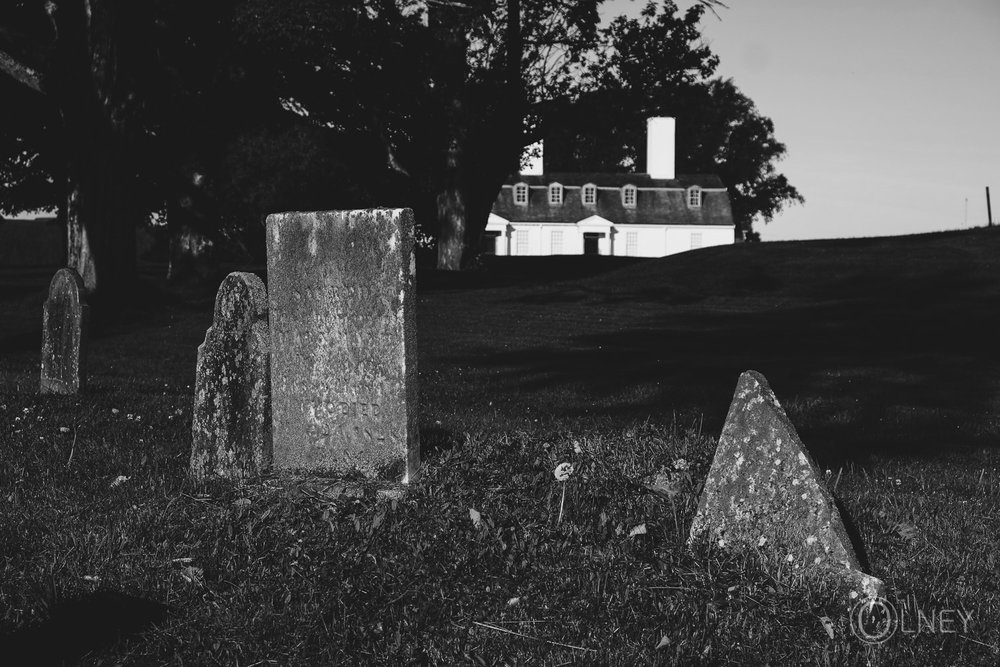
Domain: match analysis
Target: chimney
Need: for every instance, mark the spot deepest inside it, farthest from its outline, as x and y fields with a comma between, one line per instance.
x=531, y=160
x=660, y=147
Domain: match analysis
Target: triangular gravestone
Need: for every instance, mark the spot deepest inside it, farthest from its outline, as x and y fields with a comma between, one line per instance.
x=344, y=373
x=65, y=317
x=231, y=427
x=764, y=494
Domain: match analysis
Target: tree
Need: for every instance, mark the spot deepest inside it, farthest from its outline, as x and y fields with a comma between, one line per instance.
x=501, y=100
x=31, y=169
x=85, y=59
x=656, y=65
x=735, y=141
x=200, y=106
x=145, y=94
x=450, y=93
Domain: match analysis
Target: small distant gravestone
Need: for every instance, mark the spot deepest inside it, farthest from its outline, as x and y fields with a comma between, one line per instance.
x=343, y=367
x=765, y=494
x=65, y=318
x=231, y=427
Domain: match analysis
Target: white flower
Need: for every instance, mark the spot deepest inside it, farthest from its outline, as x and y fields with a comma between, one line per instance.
x=789, y=558
x=761, y=541
x=120, y=479
x=681, y=464
x=563, y=471
x=722, y=543
x=577, y=448
x=64, y=429
x=115, y=411
x=811, y=540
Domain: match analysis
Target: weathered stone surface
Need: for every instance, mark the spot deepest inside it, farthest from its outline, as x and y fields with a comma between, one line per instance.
x=65, y=318
x=344, y=377
x=765, y=494
x=231, y=427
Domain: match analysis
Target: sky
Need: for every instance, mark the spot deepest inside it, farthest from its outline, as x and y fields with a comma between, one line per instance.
x=889, y=109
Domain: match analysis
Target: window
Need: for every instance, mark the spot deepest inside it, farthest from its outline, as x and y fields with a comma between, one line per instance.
x=521, y=194
x=521, y=242
x=556, y=243
x=589, y=194
x=555, y=194
x=631, y=243
x=629, y=196
x=695, y=240
x=694, y=197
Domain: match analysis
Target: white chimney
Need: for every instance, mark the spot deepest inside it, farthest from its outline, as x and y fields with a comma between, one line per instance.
x=531, y=160
x=660, y=147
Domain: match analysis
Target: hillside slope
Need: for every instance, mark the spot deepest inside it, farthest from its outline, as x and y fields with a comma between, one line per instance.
x=872, y=344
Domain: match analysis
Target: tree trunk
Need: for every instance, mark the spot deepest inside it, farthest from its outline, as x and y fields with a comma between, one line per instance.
x=101, y=220
x=451, y=212
x=484, y=143
x=192, y=256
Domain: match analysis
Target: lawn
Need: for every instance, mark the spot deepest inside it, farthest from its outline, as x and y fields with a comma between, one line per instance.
x=881, y=351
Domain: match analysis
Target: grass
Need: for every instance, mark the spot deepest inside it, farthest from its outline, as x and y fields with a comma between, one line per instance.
x=881, y=351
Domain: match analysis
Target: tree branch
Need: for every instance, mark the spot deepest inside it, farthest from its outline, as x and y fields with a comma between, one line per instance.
x=21, y=72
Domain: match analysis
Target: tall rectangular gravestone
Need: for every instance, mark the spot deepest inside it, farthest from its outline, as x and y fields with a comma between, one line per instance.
x=65, y=316
x=343, y=342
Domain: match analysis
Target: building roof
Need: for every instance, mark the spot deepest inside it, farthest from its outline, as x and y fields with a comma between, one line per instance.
x=658, y=201
x=618, y=180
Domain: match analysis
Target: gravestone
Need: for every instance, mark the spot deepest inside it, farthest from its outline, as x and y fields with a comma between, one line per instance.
x=231, y=426
x=65, y=318
x=343, y=367
x=764, y=494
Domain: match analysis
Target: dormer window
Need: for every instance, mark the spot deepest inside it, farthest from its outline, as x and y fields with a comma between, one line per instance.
x=629, y=196
x=588, y=194
x=521, y=194
x=555, y=194
x=694, y=197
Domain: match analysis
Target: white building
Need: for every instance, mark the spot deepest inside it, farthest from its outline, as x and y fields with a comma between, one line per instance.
x=638, y=215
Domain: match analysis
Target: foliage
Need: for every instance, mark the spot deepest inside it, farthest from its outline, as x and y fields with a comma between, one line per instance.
x=213, y=102
x=657, y=65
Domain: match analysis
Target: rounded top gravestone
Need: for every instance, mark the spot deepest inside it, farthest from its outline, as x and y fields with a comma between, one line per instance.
x=65, y=316
x=231, y=425
x=240, y=301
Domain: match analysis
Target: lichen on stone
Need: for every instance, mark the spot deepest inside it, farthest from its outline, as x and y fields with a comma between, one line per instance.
x=754, y=498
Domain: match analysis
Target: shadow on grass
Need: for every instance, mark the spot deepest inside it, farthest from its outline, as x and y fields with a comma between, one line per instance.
x=80, y=626
x=436, y=440
x=871, y=347
x=854, y=535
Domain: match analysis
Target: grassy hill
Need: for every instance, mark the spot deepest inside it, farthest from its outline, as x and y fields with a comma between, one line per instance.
x=881, y=351
x=872, y=344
